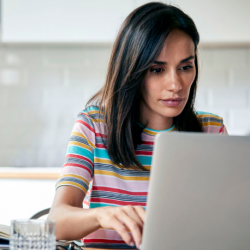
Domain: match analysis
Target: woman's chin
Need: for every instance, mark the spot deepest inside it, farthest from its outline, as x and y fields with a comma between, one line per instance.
x=173, y=112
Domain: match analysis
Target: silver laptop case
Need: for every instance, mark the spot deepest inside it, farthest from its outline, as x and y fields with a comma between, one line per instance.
x=199, y=193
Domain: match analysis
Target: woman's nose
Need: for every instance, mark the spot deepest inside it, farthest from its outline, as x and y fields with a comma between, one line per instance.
x=173, y=81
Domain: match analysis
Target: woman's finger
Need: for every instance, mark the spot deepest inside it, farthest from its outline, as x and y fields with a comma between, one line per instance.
x=141, y=212
x=121, y=229
x=133, y=213
x=133, y=226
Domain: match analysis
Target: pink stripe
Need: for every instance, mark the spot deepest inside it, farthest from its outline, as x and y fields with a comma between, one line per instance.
x=113, y=182
x=77, y=166
x=81, y=157
x=104, y=234
x=77, y=171
x=211, y=129
x=85, y=124
x=78, y=127
x=224, y=131
x=146, y=137
x=99, y=127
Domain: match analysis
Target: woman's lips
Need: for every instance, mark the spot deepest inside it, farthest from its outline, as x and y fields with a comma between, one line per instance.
x=172, y=102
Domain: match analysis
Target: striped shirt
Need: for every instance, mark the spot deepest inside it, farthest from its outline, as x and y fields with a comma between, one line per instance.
x=88, y=167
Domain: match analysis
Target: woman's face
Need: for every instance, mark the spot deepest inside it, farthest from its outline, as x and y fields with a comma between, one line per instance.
x=167, y=83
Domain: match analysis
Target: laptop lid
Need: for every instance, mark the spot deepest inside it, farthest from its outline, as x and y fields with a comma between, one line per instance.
x=199, y=193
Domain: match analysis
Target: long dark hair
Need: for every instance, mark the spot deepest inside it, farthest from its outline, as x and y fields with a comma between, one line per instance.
x=138, y=44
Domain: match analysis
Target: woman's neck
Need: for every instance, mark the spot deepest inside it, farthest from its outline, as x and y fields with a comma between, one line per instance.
x=153, y=120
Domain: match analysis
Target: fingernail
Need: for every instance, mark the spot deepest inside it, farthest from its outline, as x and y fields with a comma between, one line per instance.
x=140, y=247
x=132, y=244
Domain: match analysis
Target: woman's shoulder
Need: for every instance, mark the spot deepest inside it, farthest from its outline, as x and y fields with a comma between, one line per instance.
x=92, y=109
x=211, y=123
x=92, y=112
x=92, y=118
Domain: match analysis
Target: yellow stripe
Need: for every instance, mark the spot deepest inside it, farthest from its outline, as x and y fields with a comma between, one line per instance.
x=71, y=184
x=149, y=132
x=98, y=120
x=147, y=167
x=211, y=124
x=127, y=178
x=155, y=133
x=106, y=161
x=83, y=136
x=202, y=115
x=95, y=112
x=75, y=143
x=75, y=176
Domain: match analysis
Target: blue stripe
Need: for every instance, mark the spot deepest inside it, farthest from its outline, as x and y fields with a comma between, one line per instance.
x=204, y=113
x=153, y=130
x=101, y=153
x=73, y=149
x=94, y=205
x=145, y=160
x=165, y=130
x=91, y=108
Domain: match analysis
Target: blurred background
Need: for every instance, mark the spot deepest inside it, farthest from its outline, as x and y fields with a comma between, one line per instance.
x=53, y=58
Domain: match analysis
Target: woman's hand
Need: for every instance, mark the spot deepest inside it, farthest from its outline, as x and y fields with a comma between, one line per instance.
x=123, y=219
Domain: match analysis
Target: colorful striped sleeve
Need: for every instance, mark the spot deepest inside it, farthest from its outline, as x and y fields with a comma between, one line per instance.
x=78, y=165
x=211, y=123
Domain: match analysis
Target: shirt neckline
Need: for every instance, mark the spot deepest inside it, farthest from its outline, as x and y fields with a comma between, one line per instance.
x=157, y=131
x=154, y=131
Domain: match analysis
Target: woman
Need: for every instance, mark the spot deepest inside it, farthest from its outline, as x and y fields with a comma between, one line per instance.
x=150, y=87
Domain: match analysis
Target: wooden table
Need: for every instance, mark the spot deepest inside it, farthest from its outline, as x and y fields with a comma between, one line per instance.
x=29, y=173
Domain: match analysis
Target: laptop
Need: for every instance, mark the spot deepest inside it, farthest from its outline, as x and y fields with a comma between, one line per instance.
x=199, y=193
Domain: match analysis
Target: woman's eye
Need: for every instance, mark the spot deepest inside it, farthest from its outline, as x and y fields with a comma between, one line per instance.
x=156, y=71
x=187, y=67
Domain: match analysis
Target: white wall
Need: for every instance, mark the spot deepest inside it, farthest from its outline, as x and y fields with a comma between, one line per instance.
x=224, y=87
x=218, y=21
x=41, y=92
x=99, y=20
x=43, y=89
x=63, y=20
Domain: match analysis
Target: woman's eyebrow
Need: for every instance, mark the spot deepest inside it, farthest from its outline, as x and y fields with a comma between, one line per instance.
x=188, y=58
x=182, y=61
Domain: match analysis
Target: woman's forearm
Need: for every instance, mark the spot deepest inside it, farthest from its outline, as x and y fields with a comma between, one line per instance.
x=73, y=223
